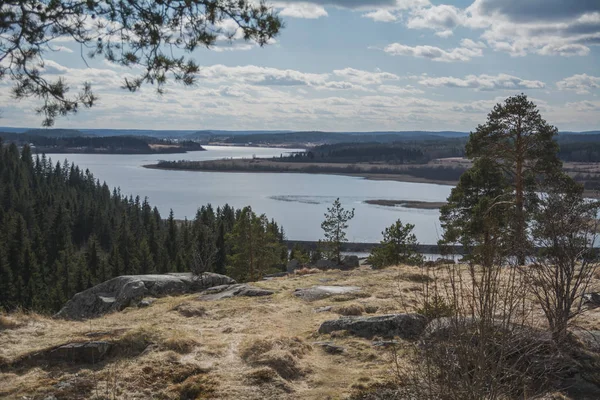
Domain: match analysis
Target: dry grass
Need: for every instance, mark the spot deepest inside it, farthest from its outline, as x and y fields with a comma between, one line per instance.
x=246, y=345
x=181, y=342
x=7, y=322
x=348, y=310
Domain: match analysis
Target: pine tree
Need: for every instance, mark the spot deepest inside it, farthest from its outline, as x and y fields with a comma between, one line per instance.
x=334, y=227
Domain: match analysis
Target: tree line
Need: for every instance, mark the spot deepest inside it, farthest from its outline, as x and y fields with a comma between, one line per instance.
x=62, y=231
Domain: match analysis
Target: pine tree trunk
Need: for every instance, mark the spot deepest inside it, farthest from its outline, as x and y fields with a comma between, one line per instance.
x=519, y=202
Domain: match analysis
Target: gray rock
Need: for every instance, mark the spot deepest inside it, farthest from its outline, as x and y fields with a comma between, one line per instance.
x=146, y=303
x=330, y=348
x=405, y=326
x=237, y=290
x=385, y=343
x=73, y=353
x=292, y=266
x=275, y=275
x=350, y=262
x=124, y=291
x=323, y=309
x=326, y=264
x=322, y=292
x=592, y=298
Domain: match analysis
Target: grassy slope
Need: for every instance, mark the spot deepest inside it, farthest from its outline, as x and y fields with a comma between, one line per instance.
x=228, y=349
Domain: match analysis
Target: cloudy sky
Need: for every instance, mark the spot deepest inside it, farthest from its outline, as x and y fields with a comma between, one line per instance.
x=364, y=65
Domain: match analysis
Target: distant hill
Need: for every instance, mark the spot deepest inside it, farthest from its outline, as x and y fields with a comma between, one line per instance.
x=257, y=135
x=56, y=133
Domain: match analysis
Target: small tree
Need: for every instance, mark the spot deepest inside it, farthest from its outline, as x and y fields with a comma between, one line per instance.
x=565, y=230
x=334, y=227
x=399, y=246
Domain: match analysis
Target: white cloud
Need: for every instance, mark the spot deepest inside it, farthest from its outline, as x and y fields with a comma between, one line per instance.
x=442, y=18
x=398, y=90
x=580, y=83
x=365, y=77
x=554, y=27
x=302, y=10
x=483, y=82
x=584, y=106
x=434, y=53
x=381, y=16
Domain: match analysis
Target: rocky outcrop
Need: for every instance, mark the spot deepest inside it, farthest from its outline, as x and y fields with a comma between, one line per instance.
x=72, y=353
x=322, y=292
x=237, y=290
x=405, y=326
x=124, y=291
x=350, y=262
x=326, y=264
x=292, y=266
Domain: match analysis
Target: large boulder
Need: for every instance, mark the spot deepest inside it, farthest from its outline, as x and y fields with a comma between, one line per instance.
x=405, y=326
x=326, y=264
x=292, y=266
x=124, y=291
x=322, y=292
x=237, y=290
x=350, y=262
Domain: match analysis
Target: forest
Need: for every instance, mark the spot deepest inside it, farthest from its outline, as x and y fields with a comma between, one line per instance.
x=62, y=231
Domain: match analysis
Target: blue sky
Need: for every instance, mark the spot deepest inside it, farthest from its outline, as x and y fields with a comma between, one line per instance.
x=363, y=66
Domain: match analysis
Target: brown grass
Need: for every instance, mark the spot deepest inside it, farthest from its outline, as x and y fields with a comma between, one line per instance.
x=348, y=310
x=274, y=335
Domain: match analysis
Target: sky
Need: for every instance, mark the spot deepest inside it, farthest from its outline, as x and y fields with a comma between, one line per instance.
x=357, y=65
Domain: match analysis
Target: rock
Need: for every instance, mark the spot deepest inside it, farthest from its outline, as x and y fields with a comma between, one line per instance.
x=405, y=326
x=87, y=353
x=237, y=290
x=385, y=343
x=330, y=348
x=275, y=275
x=72, y=353
x=592, y=298
x=293, y=265
x=124, y=291
x=350, y=262
x=326, y=264
x=146, y=303
x=323, y=309
x=322, y=292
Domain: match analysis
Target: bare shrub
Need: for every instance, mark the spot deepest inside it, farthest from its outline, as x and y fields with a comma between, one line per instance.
x=483, y=346
x=565, y=229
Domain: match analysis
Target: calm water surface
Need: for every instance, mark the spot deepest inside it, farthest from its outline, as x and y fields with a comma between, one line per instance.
x=296, y=201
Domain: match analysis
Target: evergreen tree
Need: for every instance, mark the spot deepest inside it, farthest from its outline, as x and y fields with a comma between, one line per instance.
x=522, y=145
x=399, y=246
x=334, y=227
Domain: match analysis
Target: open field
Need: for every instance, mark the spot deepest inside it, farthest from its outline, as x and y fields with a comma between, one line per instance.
x=238, y=348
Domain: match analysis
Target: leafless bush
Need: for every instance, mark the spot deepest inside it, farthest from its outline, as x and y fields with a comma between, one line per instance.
x=565, y=229
x=485, y=347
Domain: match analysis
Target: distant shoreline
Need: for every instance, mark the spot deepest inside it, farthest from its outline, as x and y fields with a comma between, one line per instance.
x=365, y=171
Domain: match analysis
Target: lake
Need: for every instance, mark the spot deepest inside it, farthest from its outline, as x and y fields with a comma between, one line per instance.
x=296, y=201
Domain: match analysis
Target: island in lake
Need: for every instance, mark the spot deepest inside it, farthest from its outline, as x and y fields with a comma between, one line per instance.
x=425, y=205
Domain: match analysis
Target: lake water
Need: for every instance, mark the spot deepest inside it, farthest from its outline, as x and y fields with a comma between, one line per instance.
x=296, y=201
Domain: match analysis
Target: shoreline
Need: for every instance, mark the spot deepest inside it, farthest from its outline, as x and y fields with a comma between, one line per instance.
x=365, y=175
x=243, y=166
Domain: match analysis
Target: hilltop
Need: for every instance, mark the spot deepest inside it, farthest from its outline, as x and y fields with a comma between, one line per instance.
x=236, y=348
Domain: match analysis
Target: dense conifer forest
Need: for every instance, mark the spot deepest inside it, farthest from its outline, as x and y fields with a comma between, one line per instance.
x=62, y=231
